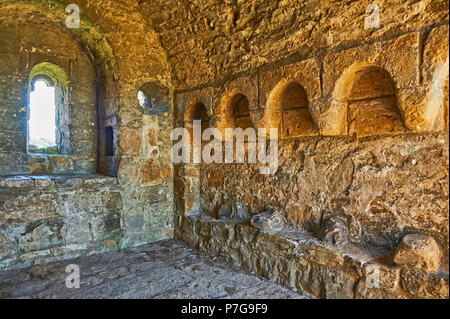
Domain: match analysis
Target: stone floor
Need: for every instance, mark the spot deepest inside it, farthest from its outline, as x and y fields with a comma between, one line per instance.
x=167, y=269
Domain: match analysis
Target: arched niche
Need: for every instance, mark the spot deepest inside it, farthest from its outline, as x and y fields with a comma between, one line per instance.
x=234, y=112
x=240, y=111
x=196, y=111
x=365, y=98
x=288, y=110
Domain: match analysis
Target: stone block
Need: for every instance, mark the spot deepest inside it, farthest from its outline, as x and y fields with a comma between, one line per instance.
x=130, y=141
x=114, y=201
x=134, y=223
x=13, y=141
x=424, y=286
x=298, y=122
x=219, y=232
x=60, y=165
x=9, y=63
x=342, y=176
x=86, y=148
x=192, y=204
x=419, y=251
x=334, y=230
x=375, y=117
x=7, y=248
x=85, y=133
x=435, y=53
x=43, y=236
x=77, y=228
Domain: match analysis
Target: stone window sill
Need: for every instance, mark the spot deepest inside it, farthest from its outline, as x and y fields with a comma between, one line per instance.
x=39, y=181
x=45, y=156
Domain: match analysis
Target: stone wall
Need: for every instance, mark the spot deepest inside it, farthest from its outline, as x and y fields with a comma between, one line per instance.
x=124, y=53
x=384, y=188
x=363, y=145
x=44, y=218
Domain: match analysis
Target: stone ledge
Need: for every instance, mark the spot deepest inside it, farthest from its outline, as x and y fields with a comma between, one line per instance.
x=39, y=181
x=297, y=259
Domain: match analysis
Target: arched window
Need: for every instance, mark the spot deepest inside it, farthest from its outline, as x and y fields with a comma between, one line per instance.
x=42, y=136
x=48, y=111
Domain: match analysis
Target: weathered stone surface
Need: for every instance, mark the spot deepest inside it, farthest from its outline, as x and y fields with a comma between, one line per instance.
x=225, y=211
x=57, y=216
x=130, y=141
x=367, y=182
x=333, y=230
x=164, y=270
x=422, y=285
x=269, y=221
x=240, y=212
x=6, y=248
x=419, y=251
x=234, y=36
x=342, y=176
x=42, y=237
x=114, y=201
x=321, y=270
x=154, y=173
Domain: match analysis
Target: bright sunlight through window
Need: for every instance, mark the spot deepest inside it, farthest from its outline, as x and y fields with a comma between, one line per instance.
x=42, y=125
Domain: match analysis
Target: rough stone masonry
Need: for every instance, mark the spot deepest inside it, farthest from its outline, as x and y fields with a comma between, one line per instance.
x=358, y=207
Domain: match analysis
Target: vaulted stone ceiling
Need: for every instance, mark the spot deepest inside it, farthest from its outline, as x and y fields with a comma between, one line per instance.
x=209, y=39
x=202, y=40
x=129, y=34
